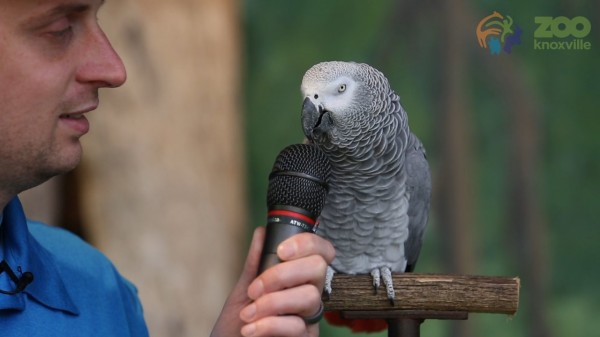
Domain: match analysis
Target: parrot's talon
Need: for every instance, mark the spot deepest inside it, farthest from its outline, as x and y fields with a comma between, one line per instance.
x=327, y=286
x=386, y=276
x=375, y=274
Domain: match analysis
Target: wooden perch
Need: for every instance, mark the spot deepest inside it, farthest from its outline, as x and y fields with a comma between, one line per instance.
x=424, y=296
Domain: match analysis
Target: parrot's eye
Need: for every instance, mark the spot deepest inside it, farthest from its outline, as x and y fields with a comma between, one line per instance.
x=342, y=88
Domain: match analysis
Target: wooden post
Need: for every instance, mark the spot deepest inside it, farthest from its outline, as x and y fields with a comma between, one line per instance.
x=163, y=177
x=422, y=296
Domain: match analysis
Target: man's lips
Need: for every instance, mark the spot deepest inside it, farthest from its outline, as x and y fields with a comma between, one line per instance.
x=79, y=112
x=77, y=121
x=72, y=115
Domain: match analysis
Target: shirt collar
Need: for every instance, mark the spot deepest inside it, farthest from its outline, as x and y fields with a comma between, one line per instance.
x=24, y=253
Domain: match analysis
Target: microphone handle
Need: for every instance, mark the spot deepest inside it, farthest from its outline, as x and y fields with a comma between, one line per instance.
x=279, y=228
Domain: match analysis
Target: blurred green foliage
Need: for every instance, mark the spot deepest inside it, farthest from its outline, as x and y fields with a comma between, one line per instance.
x=284, y=38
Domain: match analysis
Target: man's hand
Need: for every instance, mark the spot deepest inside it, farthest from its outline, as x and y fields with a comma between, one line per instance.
x=274, y=303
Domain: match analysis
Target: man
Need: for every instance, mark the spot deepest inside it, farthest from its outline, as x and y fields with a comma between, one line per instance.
x=53, y=59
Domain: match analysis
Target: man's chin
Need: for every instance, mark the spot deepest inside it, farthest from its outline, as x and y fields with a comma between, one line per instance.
x=64, y=163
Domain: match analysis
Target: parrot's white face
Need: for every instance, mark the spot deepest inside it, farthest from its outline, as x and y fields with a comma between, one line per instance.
x=335, y=102
x=335, y=96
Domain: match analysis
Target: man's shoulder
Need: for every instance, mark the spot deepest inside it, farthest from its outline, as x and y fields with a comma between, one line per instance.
x=79, y=262
x=91, y=281
x=63, y=244
x=74, y=256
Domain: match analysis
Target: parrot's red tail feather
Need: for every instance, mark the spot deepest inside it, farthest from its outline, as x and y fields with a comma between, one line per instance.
x=357, y=325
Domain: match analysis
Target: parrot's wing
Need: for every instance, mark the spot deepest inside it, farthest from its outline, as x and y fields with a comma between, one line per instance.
x=418, y=185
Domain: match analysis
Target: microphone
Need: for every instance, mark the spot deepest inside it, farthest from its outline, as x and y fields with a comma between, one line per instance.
x=21, y=282
x=295, y=197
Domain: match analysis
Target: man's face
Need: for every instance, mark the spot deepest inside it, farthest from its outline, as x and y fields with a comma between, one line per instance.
x=53, y=59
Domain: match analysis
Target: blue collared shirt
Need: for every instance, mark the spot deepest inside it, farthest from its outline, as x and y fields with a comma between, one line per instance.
x=76, y=291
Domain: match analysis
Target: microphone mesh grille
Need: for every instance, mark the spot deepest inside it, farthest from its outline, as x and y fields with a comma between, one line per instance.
x=297, y=191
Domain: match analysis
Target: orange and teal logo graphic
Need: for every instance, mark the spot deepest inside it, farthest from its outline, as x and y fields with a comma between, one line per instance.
x=496, y=32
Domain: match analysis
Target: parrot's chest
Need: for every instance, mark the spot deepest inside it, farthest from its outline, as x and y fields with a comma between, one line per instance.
x=367, y=224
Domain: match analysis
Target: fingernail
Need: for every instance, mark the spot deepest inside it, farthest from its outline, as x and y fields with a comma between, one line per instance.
x=286, y=251
x=248, y=330
x=256, y=289
x=247, y=314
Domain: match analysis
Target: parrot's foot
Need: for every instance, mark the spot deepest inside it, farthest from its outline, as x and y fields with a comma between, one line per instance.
x=385, y=274
x=328, y=277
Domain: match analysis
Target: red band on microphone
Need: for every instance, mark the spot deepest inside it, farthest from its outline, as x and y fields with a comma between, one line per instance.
x=302, y=217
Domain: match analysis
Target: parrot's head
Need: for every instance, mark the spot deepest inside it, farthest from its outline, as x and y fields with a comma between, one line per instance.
x=342, y=100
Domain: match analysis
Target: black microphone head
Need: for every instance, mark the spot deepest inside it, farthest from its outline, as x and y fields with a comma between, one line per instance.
x=299, y=179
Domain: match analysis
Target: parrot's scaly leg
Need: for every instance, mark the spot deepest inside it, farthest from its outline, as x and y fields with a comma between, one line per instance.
x=376, y=279
x=386, y=275
x=328, y=277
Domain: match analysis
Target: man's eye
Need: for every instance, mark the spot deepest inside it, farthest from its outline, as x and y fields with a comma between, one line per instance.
x=60, y=29
x=63, y=33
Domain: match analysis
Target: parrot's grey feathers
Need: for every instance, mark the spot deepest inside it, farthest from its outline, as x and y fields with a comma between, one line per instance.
x=376, y=210
x=419, y=189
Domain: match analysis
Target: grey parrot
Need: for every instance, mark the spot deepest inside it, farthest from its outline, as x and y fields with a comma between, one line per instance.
x=377, y=207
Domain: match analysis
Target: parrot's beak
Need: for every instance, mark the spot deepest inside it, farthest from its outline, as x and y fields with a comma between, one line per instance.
x=310, y=116
x=313, y=121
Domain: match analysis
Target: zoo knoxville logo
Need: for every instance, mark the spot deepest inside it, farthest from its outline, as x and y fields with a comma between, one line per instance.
x=562, y=33
x=497, y=33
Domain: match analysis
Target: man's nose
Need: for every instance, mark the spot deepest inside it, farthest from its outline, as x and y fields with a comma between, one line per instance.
x=102, y=65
